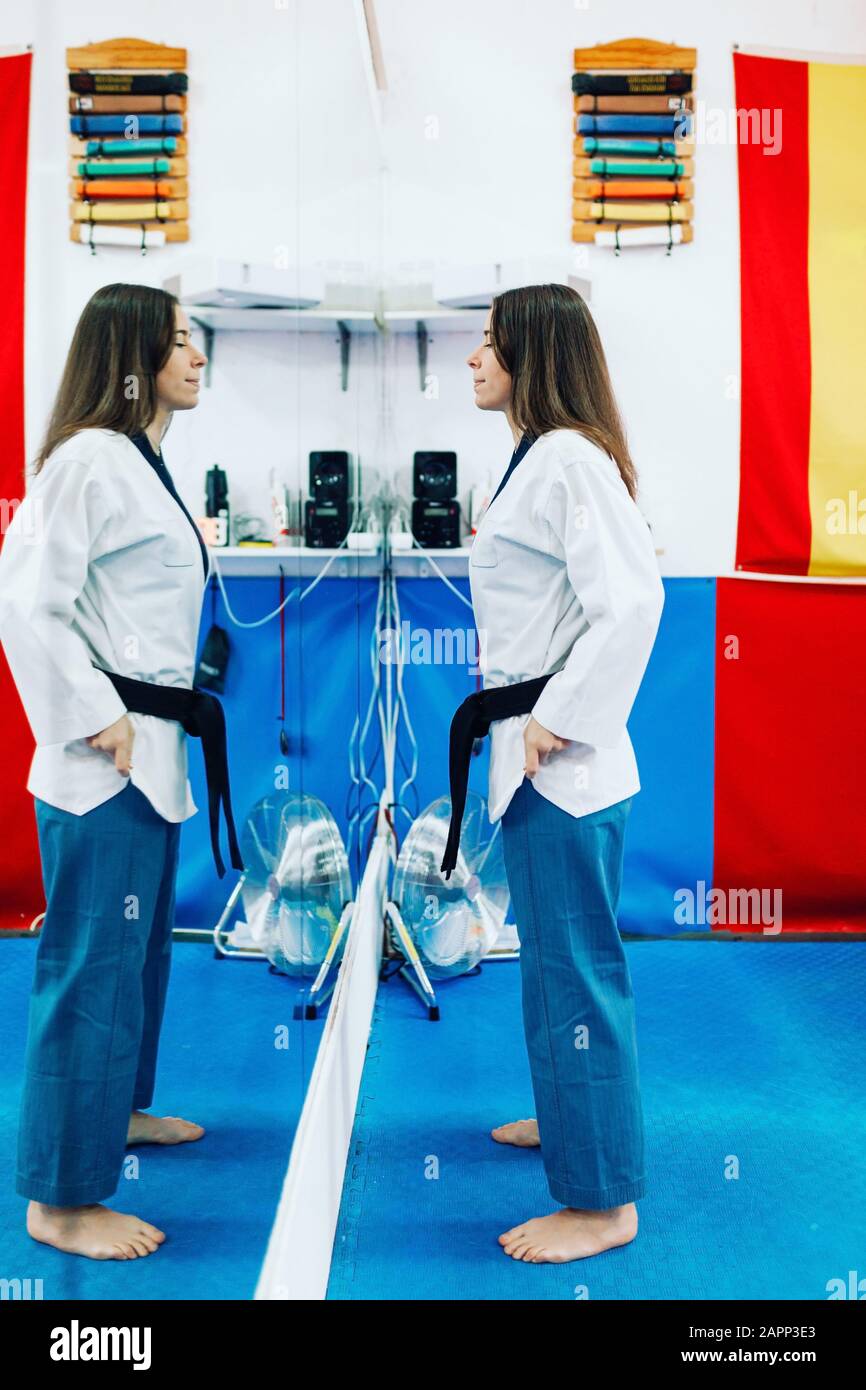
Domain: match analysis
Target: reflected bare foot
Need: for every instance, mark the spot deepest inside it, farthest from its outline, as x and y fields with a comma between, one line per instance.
x=523, y=1133
x=161, y=1129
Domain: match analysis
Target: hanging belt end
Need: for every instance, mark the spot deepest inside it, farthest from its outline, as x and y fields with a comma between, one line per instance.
x=449, y=858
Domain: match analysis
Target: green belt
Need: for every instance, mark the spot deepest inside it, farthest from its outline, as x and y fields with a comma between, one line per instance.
x=659, y=169
x=91, y=169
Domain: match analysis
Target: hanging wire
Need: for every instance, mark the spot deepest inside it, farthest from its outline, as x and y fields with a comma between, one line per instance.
x=401, y=699
x=259, y=622
x=433, y=565
x=360, y=774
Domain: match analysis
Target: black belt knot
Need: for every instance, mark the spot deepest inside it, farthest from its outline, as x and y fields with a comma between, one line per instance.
x=472, y=720
x=201, y=715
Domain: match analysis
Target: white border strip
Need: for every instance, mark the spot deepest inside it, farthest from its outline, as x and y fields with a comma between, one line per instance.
x=376, y=55
x=852, y=580
x=298, y=1258
x=799, y=55
x=368, y=62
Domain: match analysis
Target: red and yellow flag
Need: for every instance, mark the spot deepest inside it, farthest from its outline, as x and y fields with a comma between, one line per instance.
x=803, y=316
x=22, y=896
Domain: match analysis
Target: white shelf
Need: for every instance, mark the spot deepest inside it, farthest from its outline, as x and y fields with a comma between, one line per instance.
x=325, y=320
x=339, y=322
x=436, y=319
x=415, y=564
x=421, y=322
x=281, y=320
x=239, y=561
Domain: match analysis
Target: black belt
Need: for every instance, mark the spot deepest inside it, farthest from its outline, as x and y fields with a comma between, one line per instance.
x=201, y=715
x=472, y=720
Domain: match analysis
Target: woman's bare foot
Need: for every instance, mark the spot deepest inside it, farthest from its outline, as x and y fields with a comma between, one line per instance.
x=161, y=1129
x=523, y=1133
x=94, y=1231
x=570, y=1234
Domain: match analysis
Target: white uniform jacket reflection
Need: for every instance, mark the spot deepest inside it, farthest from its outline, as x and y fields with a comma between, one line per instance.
x=564, y=579
x=100, y=564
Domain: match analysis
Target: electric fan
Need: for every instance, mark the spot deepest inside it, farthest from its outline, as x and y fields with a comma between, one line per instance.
x=453, y=923
x=297, y=880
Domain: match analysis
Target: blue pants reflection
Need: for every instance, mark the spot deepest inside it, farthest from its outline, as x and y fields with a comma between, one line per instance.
x=564, y=873
x=102, y=968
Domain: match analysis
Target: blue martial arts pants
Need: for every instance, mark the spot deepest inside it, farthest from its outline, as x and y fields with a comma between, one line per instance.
x=102, y=967
x=564, y=873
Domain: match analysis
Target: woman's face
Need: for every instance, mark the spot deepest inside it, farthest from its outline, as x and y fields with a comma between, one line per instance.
x=178, y=384
x=492, y=384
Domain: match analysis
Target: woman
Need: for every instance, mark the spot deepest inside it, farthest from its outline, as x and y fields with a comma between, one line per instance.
x=565, y=584
x=103, y=569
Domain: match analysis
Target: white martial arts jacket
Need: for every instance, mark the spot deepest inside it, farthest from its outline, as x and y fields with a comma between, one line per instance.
x=100, y=564
x=564, y=578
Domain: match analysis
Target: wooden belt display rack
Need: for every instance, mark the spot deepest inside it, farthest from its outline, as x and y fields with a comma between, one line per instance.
x=634, y=144
x=127, y=144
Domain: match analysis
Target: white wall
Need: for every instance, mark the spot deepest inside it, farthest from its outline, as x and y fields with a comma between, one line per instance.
x=284, y=153
x=278, y=174
x=495, y=181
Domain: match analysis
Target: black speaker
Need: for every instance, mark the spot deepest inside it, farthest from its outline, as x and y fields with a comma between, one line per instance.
x=436, y=525
x=325, y=524
x=216, y=491
x=435, y=475
x=329, y=475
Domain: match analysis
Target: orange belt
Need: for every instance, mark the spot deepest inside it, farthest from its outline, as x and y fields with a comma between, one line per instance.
x=122, y=188
x=631, y=188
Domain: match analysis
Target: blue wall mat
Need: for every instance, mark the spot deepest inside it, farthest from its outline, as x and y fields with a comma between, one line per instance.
x=669, y=838
x=670, y=832
x=434, y=688
x=327, y=679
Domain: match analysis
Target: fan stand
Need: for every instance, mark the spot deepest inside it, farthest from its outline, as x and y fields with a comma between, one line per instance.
x=318, y=994
x=308, y=1003
x=419, y=980
x=220, y=949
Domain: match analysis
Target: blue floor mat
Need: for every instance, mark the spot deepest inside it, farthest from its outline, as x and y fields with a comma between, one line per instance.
x=216, y=1198
x=750, y=1053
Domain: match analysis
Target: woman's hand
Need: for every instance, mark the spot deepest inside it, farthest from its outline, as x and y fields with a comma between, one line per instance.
x=537, y=743
x=116, y=741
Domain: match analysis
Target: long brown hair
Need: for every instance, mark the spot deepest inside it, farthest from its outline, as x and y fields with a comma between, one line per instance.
x=122, y=339
x=545, y=338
